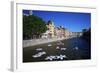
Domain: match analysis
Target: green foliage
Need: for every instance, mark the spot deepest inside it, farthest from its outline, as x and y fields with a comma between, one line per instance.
x=87, y=34
x=33, y=25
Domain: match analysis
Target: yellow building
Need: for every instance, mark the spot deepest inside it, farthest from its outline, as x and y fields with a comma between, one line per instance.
x=50, y=26
x=61, y=32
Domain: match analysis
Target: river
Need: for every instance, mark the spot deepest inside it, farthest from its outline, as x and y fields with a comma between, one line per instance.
x=75, y=48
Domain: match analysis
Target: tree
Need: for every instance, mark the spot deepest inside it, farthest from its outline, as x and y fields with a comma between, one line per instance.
x=33, y=25
x=87, y=34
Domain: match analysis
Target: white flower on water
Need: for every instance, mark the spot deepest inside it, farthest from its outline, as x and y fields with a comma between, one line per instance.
x=42, y=53
x=53, y=57
x=63, y=48
x=57, y=57
x=57, y=47
x=36, y=55
x=39, y=54
x=49, y=45
x=76, y=48
x=61, y=57
x=50, y=58
x=39, y=49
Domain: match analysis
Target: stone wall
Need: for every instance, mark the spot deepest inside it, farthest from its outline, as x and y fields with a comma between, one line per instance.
x=27, y=43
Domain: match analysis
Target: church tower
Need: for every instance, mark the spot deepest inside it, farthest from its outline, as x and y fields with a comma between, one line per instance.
x=50, y=26
x=30, y=12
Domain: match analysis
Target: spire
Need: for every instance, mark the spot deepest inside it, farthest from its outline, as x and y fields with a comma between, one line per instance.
x=49, y=22
x=30, y=12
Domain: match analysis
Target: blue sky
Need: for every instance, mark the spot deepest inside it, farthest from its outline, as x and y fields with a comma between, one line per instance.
x=72, y=21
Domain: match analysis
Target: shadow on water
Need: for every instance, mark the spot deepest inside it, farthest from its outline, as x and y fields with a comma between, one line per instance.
x=84, y=48
x=76, y=49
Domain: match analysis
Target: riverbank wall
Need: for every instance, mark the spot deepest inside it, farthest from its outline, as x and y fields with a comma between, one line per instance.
x=33, y=42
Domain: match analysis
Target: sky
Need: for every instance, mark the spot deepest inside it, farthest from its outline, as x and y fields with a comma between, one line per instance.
x=73, y=21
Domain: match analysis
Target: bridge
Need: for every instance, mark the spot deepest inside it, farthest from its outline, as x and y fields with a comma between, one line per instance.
x=75, y=34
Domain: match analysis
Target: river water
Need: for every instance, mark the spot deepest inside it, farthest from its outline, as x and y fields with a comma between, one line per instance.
x=73, y=49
